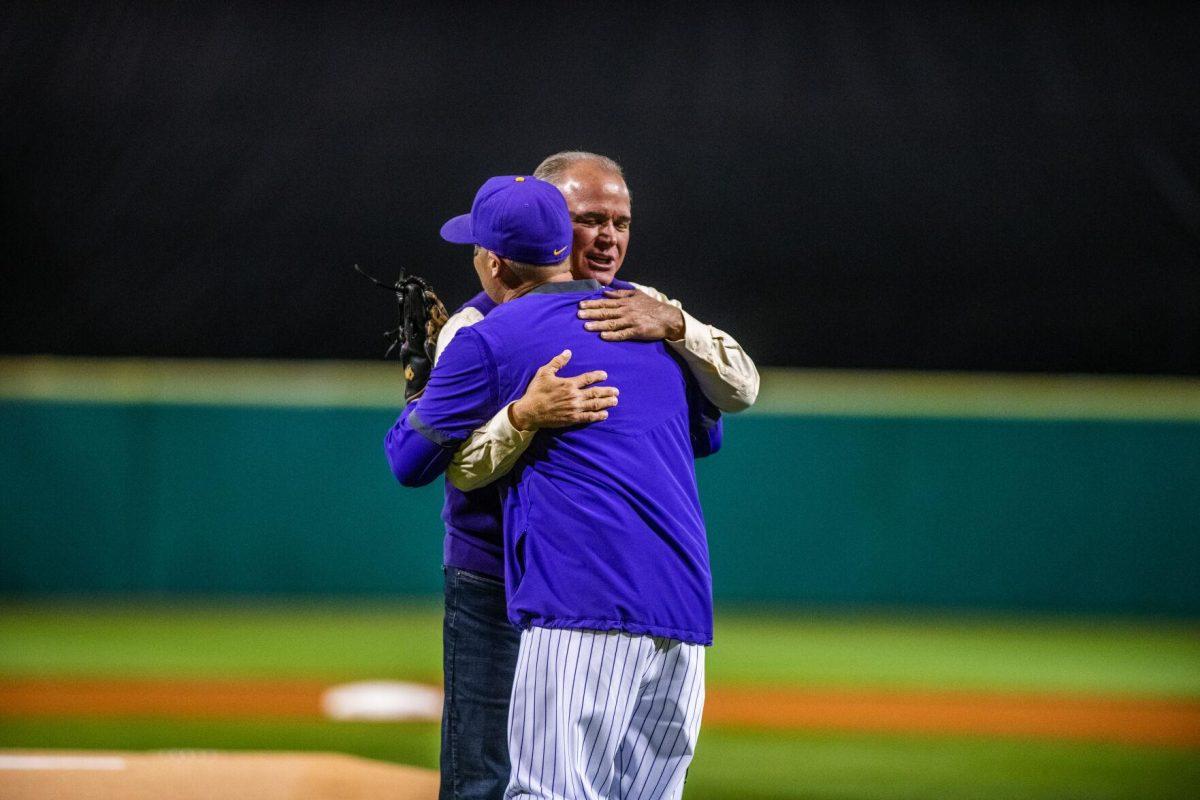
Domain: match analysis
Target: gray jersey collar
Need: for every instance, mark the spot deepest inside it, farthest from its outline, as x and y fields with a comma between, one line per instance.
x=563, y=287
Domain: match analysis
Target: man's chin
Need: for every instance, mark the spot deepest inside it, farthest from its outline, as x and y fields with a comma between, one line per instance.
x=604, y=273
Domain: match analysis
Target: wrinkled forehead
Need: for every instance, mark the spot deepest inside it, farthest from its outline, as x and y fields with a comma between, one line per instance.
x=589, y=189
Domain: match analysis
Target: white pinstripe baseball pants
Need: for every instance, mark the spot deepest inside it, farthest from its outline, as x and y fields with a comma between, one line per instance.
x=603, y=715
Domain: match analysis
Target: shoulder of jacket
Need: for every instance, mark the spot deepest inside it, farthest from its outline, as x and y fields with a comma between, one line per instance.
x=459, y=320
x=469, y=315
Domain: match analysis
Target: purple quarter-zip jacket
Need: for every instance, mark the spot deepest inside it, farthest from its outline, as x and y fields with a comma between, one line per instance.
x=603, y=527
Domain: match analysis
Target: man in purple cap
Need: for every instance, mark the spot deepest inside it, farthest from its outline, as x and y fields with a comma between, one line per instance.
x=605, y=558
x=480, y=645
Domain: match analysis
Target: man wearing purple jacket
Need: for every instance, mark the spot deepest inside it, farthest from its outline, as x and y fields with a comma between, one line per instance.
x=604, y=553
x=480, y=645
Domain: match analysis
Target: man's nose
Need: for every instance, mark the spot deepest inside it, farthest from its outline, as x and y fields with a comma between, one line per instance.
x=607, y=232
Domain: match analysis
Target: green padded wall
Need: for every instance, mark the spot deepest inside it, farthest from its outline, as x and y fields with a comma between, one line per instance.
x=969, y=511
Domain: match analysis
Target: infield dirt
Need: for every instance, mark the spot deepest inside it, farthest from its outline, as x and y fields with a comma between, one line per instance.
x=1047, y=716
x=26, y=775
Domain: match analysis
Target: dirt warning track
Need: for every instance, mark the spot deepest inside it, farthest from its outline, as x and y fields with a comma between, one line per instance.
x=1123, y=720
x=36, y=775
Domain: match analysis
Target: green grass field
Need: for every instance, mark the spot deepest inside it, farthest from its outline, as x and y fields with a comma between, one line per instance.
x=346, y=641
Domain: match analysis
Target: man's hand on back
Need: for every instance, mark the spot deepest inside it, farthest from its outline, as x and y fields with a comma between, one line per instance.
x=553, y=402
x=628, y=314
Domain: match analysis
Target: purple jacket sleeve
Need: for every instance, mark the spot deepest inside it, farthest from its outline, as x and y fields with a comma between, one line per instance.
x=461, y=396
x=415, y=460
x=708, y=431
x=704, y=422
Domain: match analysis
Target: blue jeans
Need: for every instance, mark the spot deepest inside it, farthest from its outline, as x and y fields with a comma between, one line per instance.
x=479, y=658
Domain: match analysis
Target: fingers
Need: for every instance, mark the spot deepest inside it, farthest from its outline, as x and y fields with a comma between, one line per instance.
x=613, y=303
x=607, y=320
x=619, y=293
x=599, y=313
x=609, y=324
x=588, y=378
x=593, y=416
x=599, y=403
x=558, y=362
x=601, y=391
x=619, y=336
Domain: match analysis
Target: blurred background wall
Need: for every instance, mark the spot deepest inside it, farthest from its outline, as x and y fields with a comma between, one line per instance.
x=884, y=489
x=1004, y=189
x=947, y=186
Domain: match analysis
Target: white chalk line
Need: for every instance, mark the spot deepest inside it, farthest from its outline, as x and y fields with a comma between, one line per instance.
x=102, y=763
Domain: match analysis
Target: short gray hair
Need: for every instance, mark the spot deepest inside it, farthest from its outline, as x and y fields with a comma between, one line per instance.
x=530, y=272
x=552, y=167
x=535, y=272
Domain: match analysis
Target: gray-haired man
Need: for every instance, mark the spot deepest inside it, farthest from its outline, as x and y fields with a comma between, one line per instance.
x=480, y=645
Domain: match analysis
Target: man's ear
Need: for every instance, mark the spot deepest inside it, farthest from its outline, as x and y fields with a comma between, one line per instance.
x=502, y=272
x=495, y=264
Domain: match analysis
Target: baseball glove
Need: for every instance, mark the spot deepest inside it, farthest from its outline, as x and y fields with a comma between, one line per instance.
x=414, y=338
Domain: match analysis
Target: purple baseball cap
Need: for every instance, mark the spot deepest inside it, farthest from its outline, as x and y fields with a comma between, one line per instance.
x=518, y=217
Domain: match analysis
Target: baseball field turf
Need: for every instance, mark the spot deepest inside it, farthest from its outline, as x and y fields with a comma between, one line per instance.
x=803, y=704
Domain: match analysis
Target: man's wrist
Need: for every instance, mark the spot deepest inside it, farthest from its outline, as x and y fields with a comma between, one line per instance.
x=518, y=417
x=677, y=326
